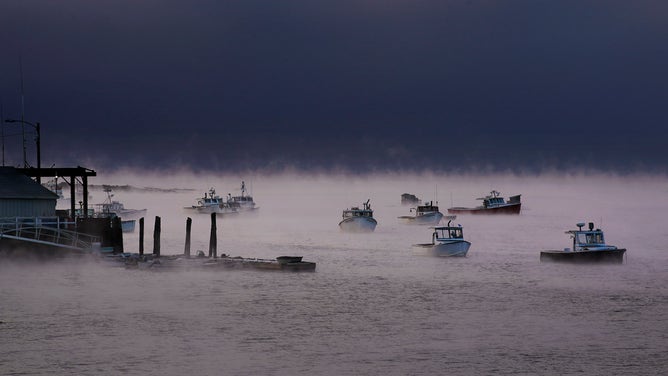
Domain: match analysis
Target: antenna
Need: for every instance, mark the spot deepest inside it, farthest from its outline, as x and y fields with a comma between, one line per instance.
x=23, y=124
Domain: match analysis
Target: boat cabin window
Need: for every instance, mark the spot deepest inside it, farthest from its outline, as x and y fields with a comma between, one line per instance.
x=357, y=213
x=450, y=233
x=590, y=238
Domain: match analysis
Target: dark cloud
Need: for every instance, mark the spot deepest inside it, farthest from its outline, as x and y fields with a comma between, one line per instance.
x=350, y=84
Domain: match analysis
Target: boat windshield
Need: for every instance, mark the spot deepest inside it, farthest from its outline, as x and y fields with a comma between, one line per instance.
x=493, y=201
x=590, y=238
x=449, y=233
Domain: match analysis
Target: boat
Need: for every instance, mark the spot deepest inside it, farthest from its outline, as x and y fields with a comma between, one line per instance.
x=358, y=220
x=111, y=209
x=492, y=204
x=410, y=199
x=446, y=241
x=212, y=203
x=424, y=215
x=117, y=208
x=588, y=247
x=243, y=203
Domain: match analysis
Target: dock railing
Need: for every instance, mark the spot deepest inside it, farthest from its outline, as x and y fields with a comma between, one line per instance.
x=53, y=231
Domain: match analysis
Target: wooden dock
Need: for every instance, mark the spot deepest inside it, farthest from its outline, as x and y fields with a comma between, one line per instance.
x=224, y=262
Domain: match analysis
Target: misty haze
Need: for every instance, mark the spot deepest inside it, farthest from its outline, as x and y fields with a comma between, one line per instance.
x=372, y=306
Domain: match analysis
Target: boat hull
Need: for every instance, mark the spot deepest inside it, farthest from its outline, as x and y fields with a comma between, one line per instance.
x=358, y=224
x=614, y=256
x=424, y=219
x=131, y=213
x=457, y=248
x=212, y=209
x=505, y=209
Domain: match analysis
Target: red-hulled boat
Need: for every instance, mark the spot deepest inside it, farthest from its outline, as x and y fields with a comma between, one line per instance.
x=492, y=204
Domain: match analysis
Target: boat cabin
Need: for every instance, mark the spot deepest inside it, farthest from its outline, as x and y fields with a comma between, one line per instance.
x=357, y=212
x=493, y=200
x=210, y=199
x=425, y=209
x=448, y=232
x=587, y=239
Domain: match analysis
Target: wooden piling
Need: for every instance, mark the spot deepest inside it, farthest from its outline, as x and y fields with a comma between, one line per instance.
x=189, y=223
x=117, y=234
x=213, y=240
x=156, y=237
x=141, y=236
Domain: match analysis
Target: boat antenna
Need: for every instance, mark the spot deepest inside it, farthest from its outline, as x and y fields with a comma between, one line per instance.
x=23, y=124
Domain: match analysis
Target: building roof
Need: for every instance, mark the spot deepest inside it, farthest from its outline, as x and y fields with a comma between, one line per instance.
x=15, y=185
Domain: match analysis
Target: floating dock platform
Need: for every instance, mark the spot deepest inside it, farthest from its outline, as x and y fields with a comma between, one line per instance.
x=180, y=262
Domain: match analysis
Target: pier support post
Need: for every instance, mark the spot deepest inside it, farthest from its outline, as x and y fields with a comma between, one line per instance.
x=213, y=240
x=189, y=223
x=141, y=236
x=117, y=234
x=156, y=237
x=73, y=208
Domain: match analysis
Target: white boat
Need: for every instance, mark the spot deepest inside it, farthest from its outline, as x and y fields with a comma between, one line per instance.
x=117, y=208
x=358, y=220
x=242, y=203
x=424, y=215
x=212, y=203
x=588, y=246
x=446, y=241
x=111, y=209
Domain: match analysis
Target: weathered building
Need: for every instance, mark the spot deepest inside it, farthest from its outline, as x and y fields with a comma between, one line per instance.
x=20, y=196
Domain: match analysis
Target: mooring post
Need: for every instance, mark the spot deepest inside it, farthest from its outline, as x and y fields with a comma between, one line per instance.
x=156, y=237
x=213, y=241
x=141, y=236
x=117, y=234
x=189, y=223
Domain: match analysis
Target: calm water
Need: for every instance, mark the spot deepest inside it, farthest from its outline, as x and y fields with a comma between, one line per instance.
x=372, y=307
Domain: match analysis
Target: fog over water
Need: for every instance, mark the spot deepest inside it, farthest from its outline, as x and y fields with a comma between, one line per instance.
x=372, y=306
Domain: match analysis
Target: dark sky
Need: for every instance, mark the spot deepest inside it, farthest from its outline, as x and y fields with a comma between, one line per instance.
x=360, y=85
